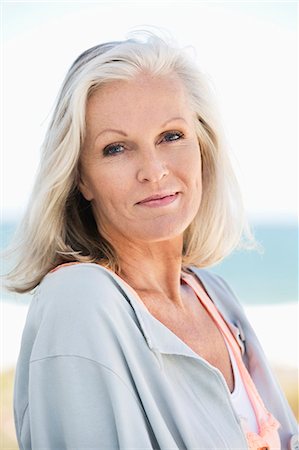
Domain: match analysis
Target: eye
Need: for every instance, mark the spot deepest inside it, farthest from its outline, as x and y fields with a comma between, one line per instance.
x=172, y=136
x=113, y=149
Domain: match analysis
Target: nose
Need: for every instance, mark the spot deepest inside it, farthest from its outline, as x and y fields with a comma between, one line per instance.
x=151, y=168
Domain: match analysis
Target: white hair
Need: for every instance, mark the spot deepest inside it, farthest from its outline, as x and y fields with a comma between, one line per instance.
x=59, y=225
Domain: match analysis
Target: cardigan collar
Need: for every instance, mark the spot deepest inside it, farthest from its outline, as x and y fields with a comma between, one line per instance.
x=157, y=335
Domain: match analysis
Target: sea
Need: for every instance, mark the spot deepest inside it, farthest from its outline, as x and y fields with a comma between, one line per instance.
x=257, y=278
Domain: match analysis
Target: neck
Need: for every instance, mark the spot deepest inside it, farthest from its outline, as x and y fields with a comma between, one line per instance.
x=153, y=268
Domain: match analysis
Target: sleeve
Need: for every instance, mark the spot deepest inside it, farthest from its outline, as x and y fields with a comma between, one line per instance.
x=78, y=403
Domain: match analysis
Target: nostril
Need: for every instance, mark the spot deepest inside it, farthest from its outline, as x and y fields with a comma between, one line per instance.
x=153, y=173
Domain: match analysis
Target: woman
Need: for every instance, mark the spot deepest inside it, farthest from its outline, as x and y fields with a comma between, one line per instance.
x=129, y=341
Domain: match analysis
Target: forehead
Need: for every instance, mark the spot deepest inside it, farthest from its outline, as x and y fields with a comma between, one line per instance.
x=144, y=99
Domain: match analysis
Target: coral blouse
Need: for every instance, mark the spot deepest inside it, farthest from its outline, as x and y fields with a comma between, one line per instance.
x=267, y=437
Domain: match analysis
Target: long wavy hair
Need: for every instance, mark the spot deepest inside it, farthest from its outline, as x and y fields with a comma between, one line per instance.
x=59, y=226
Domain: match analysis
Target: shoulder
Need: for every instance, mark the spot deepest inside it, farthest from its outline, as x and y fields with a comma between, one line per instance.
x=77, y=307
x=219, y=290
x=71, y=277
x=212, y=280
x=79, y=285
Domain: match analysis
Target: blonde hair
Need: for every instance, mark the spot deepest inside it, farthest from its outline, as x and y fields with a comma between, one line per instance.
x=59, y=225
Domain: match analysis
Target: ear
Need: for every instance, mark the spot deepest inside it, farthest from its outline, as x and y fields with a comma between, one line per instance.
x=84, y=189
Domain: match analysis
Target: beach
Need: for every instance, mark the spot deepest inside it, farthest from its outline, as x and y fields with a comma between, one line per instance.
x=275, y=325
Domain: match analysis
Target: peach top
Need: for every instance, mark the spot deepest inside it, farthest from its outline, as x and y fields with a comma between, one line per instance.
x=267, y=438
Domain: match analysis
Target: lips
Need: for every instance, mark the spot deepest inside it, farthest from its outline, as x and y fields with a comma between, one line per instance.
x=158, y=196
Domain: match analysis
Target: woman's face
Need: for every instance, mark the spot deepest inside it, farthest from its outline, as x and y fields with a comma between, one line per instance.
x=141, y=142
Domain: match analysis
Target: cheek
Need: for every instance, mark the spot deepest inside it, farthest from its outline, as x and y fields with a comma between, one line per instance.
x=108, y=188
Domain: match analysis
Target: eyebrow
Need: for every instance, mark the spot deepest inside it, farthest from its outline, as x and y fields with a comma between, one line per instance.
x=125, y=134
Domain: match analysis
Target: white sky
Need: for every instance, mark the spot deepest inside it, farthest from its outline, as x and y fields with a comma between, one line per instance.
x=248, y=48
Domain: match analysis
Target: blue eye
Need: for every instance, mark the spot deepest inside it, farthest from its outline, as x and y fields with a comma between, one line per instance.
x=173, y=136
x=113, y=149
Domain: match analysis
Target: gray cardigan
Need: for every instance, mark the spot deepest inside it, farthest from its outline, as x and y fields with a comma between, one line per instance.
x=97, y=371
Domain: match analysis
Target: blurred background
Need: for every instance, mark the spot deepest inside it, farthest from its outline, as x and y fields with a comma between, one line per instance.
x=250, y=52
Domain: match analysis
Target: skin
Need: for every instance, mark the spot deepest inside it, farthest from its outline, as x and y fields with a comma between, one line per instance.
x=148, y=241
x=144, y=157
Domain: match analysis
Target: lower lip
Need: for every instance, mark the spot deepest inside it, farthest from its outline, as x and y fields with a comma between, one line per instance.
x=160, y=201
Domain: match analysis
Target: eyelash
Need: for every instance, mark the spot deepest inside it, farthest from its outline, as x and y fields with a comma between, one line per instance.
x=113, y=146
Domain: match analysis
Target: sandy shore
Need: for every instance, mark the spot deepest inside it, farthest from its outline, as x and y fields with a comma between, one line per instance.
x=277, y=329
x=275, y=325
x=13, y=316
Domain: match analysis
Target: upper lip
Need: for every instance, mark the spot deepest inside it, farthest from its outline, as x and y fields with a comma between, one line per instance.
x=157, y=196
